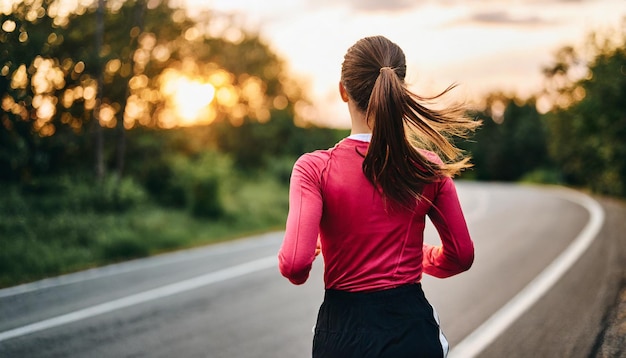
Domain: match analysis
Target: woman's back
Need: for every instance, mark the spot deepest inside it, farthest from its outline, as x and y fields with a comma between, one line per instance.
x=367, y=243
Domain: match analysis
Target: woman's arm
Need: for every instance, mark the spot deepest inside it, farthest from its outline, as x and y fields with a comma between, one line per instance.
x=456, y=252
x=298, y=250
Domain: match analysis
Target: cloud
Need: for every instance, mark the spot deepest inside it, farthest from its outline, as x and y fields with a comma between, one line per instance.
x=369, y=5
x=378, y=5
x=505, y=18
x=400, y=5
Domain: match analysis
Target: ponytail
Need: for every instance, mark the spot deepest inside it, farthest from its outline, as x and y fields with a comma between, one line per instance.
x=401, y=122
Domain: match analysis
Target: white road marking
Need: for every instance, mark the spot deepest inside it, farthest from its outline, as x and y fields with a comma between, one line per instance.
x=145, y=263
x=160, y=292
x=486, y=333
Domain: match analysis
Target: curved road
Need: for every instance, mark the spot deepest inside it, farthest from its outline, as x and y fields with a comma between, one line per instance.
x=228, y=300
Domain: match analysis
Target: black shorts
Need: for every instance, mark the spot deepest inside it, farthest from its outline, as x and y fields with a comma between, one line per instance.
x=394, y=323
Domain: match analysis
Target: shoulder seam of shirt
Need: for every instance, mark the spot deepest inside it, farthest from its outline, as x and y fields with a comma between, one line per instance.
x=324, y=170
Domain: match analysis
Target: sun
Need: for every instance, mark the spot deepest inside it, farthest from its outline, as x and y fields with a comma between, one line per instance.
x=189, y=98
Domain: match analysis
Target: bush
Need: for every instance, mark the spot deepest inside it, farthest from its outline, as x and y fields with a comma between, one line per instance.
x=281, y=168
x=117, y=194
x=259, y=201
x=70, y=235
x=509, y=144
x=203, y=180
x=160, y=180
x=543, y=176
x=122, y=244
x=83, y=193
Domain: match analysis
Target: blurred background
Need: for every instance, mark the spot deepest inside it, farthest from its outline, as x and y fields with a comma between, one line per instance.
x=130, y=128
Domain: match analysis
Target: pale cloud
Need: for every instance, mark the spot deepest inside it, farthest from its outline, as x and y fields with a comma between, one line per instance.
x=501, y=17
x=378, y=5
x=403, y=5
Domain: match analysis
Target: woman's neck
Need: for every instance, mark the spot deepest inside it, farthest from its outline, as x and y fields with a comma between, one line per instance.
x=357, y=118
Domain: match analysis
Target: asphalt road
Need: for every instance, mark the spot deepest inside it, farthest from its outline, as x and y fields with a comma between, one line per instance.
x=228, y=300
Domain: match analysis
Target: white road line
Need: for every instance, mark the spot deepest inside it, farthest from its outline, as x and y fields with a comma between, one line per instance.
x=145, y=263
x=160, y=292
x=486, y=333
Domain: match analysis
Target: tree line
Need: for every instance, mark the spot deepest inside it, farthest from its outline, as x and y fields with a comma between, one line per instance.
x=571, y=132
x=79, y=98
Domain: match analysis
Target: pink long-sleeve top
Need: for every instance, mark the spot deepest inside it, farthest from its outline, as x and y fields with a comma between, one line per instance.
x=366, y=245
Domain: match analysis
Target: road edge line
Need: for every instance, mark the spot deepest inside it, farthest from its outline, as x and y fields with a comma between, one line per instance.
x=487, y=332
x=141, y=297
x=138, y=264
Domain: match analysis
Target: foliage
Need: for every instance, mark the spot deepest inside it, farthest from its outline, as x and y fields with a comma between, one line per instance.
x=168, y=162
x=588, y=123
x=255, y=145
x=511, y=141
x=60, y=232
x=82, y=193
x=49, y=79
x=579, y=140
x=50, y=72
x=202, y=179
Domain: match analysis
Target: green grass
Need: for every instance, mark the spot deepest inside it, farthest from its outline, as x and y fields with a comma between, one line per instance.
x=48, y=234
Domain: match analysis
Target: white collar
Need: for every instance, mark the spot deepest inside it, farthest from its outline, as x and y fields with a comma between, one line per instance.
x=363, y=137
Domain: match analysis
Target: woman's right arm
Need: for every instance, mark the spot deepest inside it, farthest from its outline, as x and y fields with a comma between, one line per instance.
x=300, y=244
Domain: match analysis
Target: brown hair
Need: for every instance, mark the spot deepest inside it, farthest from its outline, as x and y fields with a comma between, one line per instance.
x=373, y=74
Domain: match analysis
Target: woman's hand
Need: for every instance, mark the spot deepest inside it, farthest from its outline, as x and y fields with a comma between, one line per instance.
x=318, y=249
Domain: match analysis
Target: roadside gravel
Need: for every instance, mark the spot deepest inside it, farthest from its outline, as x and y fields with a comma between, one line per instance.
x=611, y=342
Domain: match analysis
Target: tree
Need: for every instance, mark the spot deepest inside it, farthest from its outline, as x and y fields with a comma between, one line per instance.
x=511, y=142
x=50, y=66
x=588, y=121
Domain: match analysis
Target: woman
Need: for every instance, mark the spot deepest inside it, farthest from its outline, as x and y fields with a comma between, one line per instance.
x=364, y=203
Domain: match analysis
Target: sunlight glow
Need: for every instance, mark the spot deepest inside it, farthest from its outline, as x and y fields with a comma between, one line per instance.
x=45, y=106
x=67, y=98
x=48, y=77
x=113, y=66
x=161, y=53
x=20, y=78
x=252, y=90
x=9, y=26
x=189, y=100
x=107, y=116
x=192, y=96
x=227, y=96
x=198, y=94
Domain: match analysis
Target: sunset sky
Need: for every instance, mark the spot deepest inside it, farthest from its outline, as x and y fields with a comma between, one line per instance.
x=483, y=45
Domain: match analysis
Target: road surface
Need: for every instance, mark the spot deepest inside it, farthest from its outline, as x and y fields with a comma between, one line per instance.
x=228, y=299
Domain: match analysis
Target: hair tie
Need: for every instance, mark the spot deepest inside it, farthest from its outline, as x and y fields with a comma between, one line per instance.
x=385, y=68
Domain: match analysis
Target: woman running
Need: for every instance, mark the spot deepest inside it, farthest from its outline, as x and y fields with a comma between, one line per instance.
x=364, y=203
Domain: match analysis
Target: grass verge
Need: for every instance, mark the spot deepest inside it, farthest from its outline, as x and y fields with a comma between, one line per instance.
x=49, y=234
